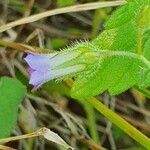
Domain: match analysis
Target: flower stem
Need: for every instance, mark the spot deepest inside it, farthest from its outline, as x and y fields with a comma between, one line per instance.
x=120, y=122
x=91, y=118
x=116, y=119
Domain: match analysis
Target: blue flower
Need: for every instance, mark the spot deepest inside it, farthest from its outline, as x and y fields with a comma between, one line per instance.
x=45, y=67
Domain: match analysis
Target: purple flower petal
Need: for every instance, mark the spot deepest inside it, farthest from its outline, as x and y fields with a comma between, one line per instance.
x=39, y=61
x=42, y=66
x=30, y=71
x=47, y=61
x=38, y=78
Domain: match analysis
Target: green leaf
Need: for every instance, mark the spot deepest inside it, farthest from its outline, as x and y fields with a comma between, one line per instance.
x=119, y=67
x=122, y=27
x=120, y=17
x=126, y=13
x=57, y=87
x=114, y=71
x=147, y=46
x=122, y=38
x=11, y=94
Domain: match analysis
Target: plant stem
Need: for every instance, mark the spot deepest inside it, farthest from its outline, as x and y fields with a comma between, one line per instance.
x=70, y=9
x=120, y=122
x=116, y=119
x=91, y=122
x=39, y=132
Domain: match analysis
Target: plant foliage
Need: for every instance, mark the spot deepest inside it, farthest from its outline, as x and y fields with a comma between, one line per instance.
x=11, y=95
x=124, y=53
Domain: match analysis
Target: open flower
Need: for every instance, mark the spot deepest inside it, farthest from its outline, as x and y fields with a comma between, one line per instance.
x=45, y=67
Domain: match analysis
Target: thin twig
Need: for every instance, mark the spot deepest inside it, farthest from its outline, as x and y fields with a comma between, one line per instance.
x=75, y=8
x=25, y=136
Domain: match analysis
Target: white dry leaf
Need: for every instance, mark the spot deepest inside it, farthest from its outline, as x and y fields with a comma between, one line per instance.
x=48, y=134
x=51, y=136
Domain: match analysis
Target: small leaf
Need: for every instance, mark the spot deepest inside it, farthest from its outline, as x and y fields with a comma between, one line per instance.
x=11, y=95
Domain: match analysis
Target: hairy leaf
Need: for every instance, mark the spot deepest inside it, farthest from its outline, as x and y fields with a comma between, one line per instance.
x=114, y=71
x=122, y=38
x=119, y=66
x=11, y=94
x=126, y=13
x=122, y=28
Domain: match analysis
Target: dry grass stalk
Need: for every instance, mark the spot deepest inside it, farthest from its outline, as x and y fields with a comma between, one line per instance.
x=75, y=8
